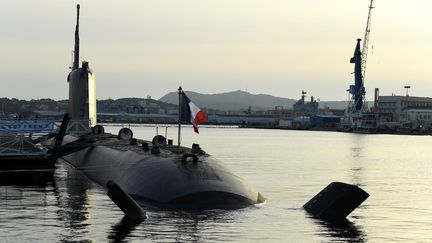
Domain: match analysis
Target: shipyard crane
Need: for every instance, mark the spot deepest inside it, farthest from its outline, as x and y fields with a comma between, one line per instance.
x=357, y=108
x=366, y=40
x=357, y=90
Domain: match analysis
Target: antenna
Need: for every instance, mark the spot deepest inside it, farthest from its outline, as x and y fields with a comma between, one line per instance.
x=76, y=49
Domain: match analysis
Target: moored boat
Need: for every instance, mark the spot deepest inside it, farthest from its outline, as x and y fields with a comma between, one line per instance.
x=20, y=144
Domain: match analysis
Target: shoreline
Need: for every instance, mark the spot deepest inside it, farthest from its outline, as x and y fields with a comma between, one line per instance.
x=312, y=129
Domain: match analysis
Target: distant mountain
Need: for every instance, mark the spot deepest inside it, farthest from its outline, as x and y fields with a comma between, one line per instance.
x=235, y=100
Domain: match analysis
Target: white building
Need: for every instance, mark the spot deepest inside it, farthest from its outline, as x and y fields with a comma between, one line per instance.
x=394, y=108
x=419, y=117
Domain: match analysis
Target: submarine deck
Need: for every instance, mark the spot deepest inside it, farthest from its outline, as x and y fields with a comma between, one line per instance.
x=166, y=174
x=135, y=145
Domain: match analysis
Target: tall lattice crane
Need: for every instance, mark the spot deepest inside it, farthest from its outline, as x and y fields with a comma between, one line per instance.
x=357, y=106
x=366, y=40
x=357, y=90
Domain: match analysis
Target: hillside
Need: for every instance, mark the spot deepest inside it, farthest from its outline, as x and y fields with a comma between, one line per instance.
x=234, y=100
x=237, y=100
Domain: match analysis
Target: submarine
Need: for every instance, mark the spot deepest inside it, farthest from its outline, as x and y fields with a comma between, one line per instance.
x=154, y=173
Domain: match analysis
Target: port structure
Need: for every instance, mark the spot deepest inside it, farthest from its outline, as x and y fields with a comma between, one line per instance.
x=366, y=40
x=358, y=104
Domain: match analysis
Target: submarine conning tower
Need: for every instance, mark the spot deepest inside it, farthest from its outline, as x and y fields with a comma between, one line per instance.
x=82, y=90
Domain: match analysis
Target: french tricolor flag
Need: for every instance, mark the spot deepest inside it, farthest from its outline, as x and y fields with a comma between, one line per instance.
x=191, y=113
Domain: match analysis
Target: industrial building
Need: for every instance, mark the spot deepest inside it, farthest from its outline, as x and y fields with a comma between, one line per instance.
x=419, y=118
x=394, y=108
x=329, y=121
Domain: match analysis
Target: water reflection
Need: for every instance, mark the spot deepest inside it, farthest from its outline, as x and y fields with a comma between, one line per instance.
x=190, y=225
x=23, y=194
x=169, y=226
x=15, y=186
x=71, y=195
x=342, y=230
x=34, y=178
x=395, y=170
x=122, y=229
x=43, y=201
x=357, y=154
x=60, y=204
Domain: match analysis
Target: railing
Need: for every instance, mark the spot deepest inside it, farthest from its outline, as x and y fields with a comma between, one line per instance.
x=78, y=127
x=22, y=137
x=20, y=145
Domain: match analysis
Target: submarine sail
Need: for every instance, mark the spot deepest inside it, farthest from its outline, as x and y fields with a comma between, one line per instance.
x=82, y=90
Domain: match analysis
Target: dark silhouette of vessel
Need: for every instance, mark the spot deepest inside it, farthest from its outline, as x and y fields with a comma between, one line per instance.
x=152, y=172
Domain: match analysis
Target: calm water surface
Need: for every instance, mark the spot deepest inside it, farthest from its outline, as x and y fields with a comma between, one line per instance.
x=287, y=167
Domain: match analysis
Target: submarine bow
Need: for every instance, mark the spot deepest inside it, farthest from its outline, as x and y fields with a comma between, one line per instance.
x=165, y=179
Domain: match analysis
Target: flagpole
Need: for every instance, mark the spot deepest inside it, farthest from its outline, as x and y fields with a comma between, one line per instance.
x=180, y=92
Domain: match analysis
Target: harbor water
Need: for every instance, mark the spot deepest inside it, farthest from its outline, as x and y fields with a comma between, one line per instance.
x=287, y=167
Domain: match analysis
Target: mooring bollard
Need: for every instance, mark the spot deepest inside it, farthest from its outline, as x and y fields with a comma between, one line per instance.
x=336, y=201
x=125, y=202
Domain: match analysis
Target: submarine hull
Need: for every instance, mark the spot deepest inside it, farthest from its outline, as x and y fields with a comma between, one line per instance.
x=164, y=179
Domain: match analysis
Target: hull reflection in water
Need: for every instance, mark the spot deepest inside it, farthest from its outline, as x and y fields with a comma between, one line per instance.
x=343, y=230
x=43, y=205
x=37, y=178
x=179, y=226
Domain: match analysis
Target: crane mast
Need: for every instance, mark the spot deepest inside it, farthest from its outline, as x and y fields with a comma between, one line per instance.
x=357, y=106
x=366, y=40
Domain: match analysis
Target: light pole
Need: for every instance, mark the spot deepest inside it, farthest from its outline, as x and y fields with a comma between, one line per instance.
x=407, y=87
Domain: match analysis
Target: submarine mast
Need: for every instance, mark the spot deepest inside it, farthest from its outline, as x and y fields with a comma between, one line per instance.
x=82, y=90
x=76, y=48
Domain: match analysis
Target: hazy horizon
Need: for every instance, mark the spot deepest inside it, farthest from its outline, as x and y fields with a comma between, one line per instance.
x=278, y=48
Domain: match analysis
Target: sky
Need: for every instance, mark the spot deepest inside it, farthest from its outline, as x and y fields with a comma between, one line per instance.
x=277, y=47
